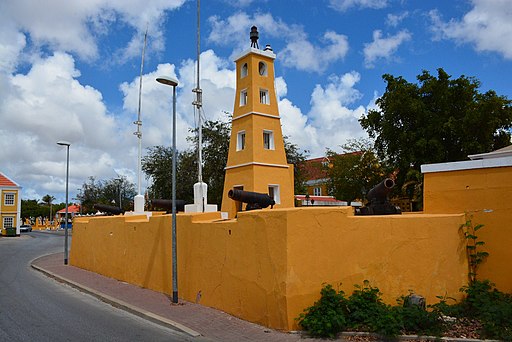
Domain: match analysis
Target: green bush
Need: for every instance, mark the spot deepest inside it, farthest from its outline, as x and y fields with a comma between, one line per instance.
x=365, y=311
x=327, y=317
x=492, y=307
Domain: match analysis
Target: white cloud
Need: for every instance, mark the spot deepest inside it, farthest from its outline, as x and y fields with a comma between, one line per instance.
x=218, y=85
x=343, y=5
x=487, y=26
x=330, y=121
x=383, y=47
x=298, y=52
x=48, y=104
x=74, y=26
x=305, y=56
x=394, y=19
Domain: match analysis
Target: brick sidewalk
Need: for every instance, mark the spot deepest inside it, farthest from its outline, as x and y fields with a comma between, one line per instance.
x=193, y=319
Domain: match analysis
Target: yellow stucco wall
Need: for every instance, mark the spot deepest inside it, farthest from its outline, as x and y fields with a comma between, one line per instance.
x=484, y=193
x=268, y=265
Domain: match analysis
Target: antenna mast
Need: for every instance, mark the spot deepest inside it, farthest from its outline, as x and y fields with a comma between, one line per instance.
x=138, y=203
x=199, y=103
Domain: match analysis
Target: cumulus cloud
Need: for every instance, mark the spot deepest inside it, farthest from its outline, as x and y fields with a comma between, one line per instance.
x=487, y=26
x=299, y=52
x=330, y=121
x=74, y=27
x=48, y=104
x=383, y=48
x=344, y=5
x=394, y=20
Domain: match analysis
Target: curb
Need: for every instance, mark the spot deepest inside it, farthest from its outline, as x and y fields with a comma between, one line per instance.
x=418, y=337
x=120, y=304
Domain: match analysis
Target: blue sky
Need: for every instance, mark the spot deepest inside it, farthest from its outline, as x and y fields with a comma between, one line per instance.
x=69, y=70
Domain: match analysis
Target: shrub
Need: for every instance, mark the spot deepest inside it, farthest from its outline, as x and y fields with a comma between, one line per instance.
x=327, y=317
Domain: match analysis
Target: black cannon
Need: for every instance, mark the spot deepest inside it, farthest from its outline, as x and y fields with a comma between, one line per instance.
x=254, y=200
x=378, y=202
x=109, y=209
x=167, y=204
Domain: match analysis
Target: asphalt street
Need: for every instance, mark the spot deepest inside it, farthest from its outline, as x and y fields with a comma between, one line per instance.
x=34, y=307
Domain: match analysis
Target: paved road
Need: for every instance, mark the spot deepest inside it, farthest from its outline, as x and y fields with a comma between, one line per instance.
x=36, y=308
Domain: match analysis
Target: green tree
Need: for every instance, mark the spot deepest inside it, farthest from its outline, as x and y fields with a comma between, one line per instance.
x=108, y=192
x=296, y=157
x=354, y=172
x=157, y=164
x=32, y=209
x=89, y=195
x=48, y=201
x=437, y=120
x=117, y=191
x=215, y=156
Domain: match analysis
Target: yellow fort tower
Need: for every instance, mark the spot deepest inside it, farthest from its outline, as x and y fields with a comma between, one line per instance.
x=256, y=157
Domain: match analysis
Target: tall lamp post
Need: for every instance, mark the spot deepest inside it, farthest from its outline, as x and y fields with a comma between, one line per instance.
x=173, y=82
x=67, y=144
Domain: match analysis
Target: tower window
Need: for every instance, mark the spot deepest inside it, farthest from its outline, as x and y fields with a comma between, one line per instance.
x=262, y=69
x=244, y=71
x=268, y=140
x=240, y=141
x=264, y=96
x=317, y=191
x=273, y=192
x=243, y=97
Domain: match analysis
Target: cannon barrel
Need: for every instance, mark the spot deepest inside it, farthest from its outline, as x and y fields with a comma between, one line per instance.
x=378, y=202
x=254, y=200
x=380, y=192
x=167, y=204
x=109, y=209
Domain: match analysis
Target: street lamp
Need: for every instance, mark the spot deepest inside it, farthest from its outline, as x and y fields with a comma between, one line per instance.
x=173, y=82
x=67, y=144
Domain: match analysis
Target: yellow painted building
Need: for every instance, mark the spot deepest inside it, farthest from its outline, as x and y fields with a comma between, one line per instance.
x=482, y=188
x=256, y=157
x=10, y=206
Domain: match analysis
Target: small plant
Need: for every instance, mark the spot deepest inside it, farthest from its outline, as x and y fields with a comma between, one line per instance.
x=327, y=317
x=474, y=254
x=368, y=312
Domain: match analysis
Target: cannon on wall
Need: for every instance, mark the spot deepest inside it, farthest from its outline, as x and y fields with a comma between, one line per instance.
x=109, y=209
x=167, y=204
x=378, y=201
x=254, y=200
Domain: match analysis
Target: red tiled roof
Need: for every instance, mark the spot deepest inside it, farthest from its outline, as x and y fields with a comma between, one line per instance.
x=314, y=169
x=5, y=181
x=71, y=209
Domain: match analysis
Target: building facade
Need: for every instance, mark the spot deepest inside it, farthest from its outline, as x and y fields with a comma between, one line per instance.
x=10, y=206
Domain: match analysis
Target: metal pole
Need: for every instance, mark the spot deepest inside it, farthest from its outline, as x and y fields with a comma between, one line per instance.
x=66, y=253
x=174, y=249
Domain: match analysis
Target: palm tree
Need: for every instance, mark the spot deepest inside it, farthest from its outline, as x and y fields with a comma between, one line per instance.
x=48, y=200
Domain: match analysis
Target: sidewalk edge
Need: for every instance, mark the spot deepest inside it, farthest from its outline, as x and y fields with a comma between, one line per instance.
x=120, y=304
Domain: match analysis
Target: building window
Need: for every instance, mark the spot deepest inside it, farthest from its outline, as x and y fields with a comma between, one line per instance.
x=268, y=140
x=273, y=192
x=264, y=96
x=244, y=71
x=240, y=141
x=8, y=222
x=9, y=199
x=262, y=69
x=317, y=191
x=243, y=97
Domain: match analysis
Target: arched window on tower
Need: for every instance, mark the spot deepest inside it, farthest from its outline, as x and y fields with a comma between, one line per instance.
x=244, y=71
x=262, y=69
